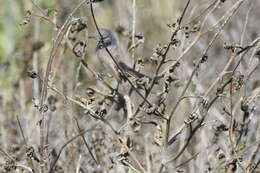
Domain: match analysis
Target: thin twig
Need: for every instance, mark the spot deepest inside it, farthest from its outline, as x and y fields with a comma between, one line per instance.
x=131, y=154
x=187, y=161
x=85, y=142
x=6, y=154
x=63, y=147
x=202, y=13
x=21, y=130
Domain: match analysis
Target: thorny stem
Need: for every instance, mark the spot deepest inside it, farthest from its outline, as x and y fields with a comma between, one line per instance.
x=231, y=12
x=163, y=58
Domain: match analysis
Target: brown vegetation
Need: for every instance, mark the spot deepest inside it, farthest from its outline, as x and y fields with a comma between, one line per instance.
x=194, y=108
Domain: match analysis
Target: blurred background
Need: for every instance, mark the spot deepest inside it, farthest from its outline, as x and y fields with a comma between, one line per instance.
x=25, y=44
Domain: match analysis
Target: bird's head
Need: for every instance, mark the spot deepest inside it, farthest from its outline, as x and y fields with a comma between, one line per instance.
x=107, y=39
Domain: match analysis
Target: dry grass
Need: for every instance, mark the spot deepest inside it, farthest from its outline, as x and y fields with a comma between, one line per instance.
x=202, y=115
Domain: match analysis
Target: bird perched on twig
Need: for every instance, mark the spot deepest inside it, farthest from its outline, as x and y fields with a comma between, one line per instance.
x=109, y=41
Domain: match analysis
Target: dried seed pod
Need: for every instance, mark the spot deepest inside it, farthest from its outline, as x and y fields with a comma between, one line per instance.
x=231, y=166
x=78, y=25
x=204, y=59
x=244, y=106
x=27, y=19
x=32, y=74
x=136, y=126
x=158, y=136
x=173, y=67
x=196, y=28
x=229, y=46
x=44, y=108
x=175, y=42
x=237, y=81
x=90, y=92
x=30, y=152
x=9, y=165
x=154, y=110
x=79, y=49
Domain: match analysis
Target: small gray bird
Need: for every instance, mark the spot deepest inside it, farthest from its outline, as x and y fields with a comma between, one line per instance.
x=110, y=42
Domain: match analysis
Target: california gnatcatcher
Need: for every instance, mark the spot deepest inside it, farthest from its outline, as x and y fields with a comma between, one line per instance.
x=110, y=42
